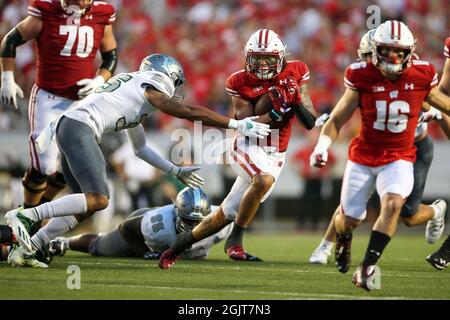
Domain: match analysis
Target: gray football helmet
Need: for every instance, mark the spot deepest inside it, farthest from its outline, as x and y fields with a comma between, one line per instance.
x=169, y=66
x=191, y=206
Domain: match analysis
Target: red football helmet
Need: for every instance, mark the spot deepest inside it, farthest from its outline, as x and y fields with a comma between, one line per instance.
x=82, y=4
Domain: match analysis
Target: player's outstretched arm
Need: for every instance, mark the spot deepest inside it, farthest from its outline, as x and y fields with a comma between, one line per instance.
x=344, y=109
x=108, y=52
x=27, y=29
x=167, y=105
x=444, y=85
x=305, y=109
x=439, y=100
x=186, y=175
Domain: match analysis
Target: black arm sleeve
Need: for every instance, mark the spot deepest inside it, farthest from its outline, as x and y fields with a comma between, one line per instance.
x=304, y=116
x=109, y=60
x=10, y=42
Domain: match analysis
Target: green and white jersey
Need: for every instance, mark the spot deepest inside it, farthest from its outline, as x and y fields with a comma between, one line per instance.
x=158, y=230
x=120, y=103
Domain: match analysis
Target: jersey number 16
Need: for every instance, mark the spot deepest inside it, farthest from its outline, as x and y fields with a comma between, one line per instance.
x=392, y=117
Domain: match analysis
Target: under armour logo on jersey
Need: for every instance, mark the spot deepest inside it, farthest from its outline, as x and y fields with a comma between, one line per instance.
x=283, y=81
x=378, y=89
x=393, y=94
x=257, y=89
x=89, y=17
x=409, y=86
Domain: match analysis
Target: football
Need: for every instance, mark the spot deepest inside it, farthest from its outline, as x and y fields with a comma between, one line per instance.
x=263, y=105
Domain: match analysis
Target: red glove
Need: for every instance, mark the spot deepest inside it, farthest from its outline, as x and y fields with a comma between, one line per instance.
x=279, y=99
x=290, y=85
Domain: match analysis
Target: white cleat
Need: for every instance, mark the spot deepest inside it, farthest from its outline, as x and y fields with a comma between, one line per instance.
x=320, y=256
x=18, y=228
x=435, y=226
x=18, y=258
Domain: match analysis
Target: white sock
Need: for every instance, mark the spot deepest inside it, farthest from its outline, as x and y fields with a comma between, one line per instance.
x=437, y=212
x=55, y=227
x=64, y=206
x=328, y=245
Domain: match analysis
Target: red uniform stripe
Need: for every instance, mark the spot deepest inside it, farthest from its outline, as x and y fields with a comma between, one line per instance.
x=266, y=38
x=242, y=166
x=399, y=33
x=392, y=30
x=260, y=38
x=34, y=156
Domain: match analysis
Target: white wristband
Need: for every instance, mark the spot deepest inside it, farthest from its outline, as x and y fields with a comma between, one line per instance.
x=324, y=143
x=233, y=124
x=7, y=77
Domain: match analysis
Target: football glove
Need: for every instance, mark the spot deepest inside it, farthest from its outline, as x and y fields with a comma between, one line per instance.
x=250, y=128
x=292, y=89
x=10, y=89
x=187, y=176
x=89, y=85
x=280, y=101
x=320, y=121
x=432, y=114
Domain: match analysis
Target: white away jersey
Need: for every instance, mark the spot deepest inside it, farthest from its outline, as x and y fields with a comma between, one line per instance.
x=158, y=229
x=120, y=103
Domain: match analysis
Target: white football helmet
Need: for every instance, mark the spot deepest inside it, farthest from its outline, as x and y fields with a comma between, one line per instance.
x=264, y=53
x=393, y=34
x=365, y=45
x=82, y=4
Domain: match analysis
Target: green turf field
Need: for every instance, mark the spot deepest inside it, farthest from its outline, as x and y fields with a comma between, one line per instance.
x=284, y=274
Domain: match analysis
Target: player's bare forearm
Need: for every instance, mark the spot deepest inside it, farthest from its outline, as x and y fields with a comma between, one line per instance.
x=439, y=100
x=306, y=100
x=444, y=85
x=192, y=113
x=7, y=64
x=343, y=111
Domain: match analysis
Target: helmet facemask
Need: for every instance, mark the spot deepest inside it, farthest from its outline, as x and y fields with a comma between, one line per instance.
x=392, y=59
x=264, y=66
x=191, y=206
x=82, y=5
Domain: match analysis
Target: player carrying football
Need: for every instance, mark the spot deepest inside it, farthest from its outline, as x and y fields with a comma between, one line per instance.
x=258, y=164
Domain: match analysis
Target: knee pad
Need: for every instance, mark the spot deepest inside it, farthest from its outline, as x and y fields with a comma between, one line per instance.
x=57, y=180
x=33, y=181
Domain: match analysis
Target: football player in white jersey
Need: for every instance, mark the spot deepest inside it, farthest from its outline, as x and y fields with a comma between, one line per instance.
x=147, y=232
x=121, y=103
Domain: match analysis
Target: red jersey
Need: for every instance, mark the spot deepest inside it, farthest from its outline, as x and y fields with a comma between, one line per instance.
x=447, y=48
x=67, y=46
x=243, y=85
x=389, y=111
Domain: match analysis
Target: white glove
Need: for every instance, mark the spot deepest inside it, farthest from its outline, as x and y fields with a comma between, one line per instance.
x=320, y=121
x=250, y=128
x=319, y=157
x=432, y=114
x=187, y=176
x=89, y=85
x=10, y=89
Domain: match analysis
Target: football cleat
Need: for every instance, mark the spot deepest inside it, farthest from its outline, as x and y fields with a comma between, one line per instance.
x=320, y=256
x=19, y=257
x=43, y=254
x=58, y=247
x=343, y=253
x=362, y=277
x=167, y=259
x=441, y=258
x=237, y=253
x=435, y=226
x=21, y=227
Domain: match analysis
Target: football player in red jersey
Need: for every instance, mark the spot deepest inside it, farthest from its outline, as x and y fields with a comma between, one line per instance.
x=390, y=93
x=413, y=212
x=440, y=259
x=257, y=163
x=68, y=34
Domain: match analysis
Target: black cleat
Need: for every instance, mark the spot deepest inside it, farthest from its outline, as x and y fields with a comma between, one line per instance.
x=343, y=252
x=441, y=258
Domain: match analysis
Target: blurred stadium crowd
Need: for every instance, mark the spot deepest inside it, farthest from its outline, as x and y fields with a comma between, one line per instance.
x=208, y=38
